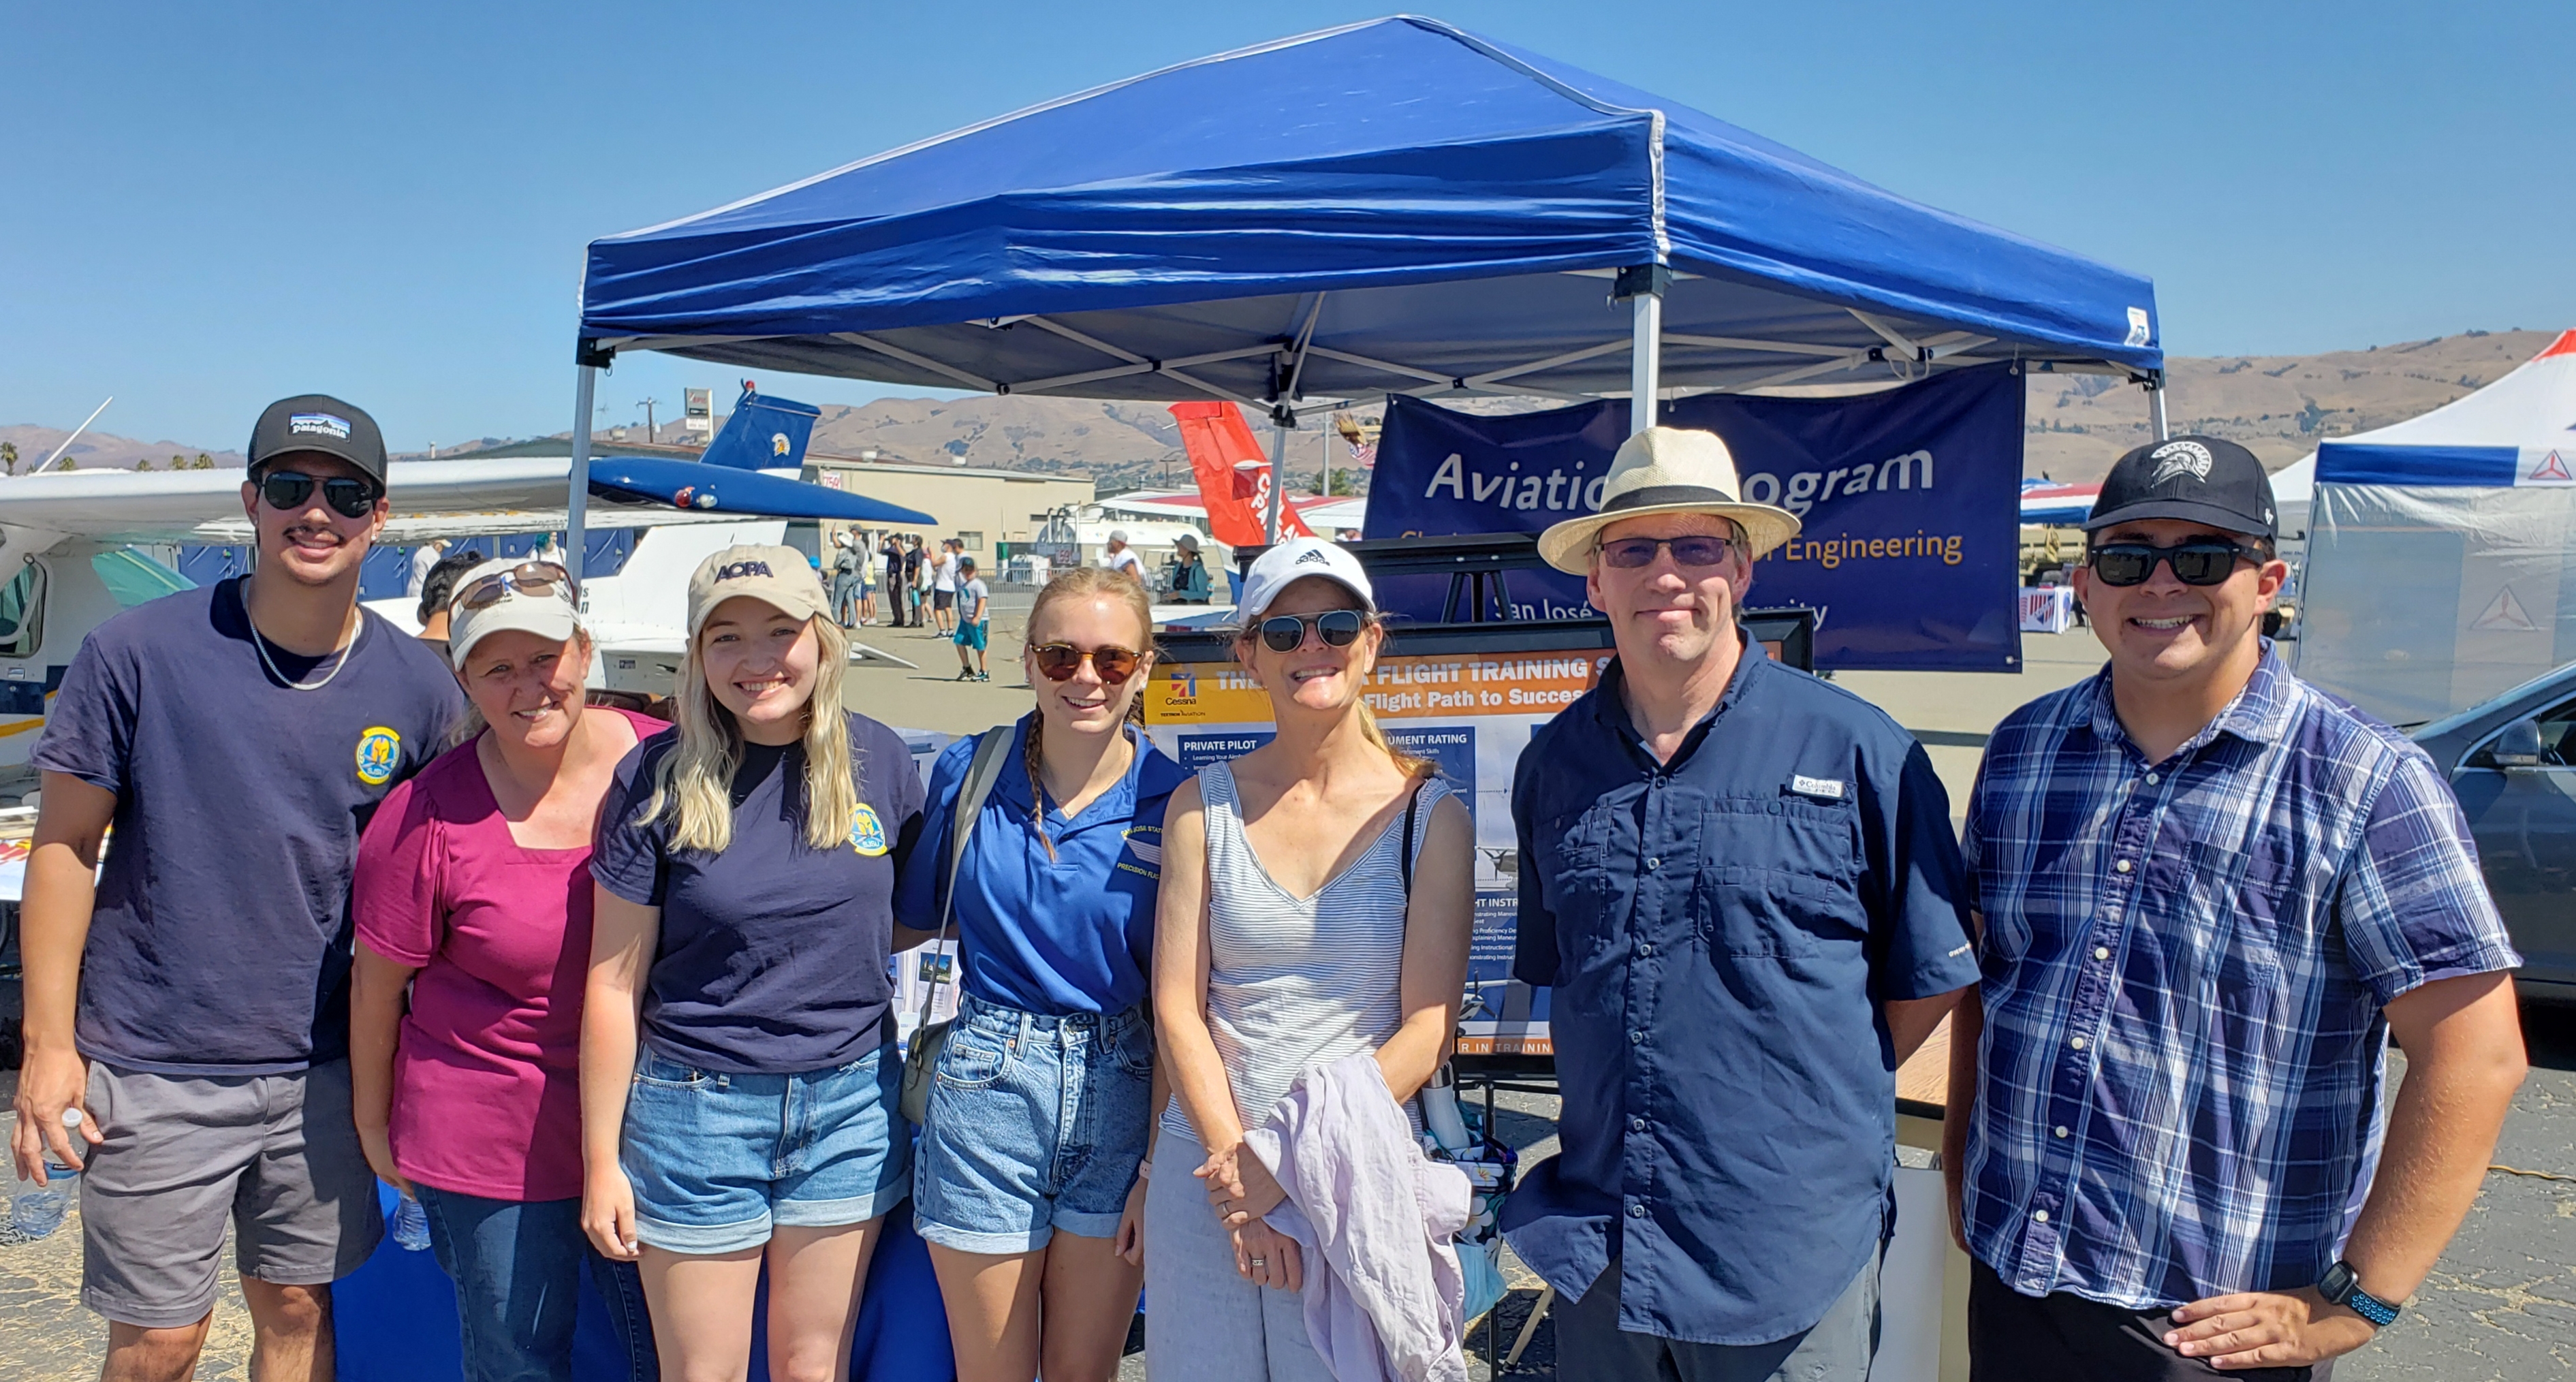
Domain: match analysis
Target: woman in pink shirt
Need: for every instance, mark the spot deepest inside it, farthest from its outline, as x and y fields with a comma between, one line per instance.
x=473, y=887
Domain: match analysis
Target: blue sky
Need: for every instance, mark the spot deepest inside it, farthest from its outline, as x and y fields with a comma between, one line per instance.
x=212, y=206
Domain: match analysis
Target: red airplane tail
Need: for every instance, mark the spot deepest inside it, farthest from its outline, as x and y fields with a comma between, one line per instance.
x=1233, y=475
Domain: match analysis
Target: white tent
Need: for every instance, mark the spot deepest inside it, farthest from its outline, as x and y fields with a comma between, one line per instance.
x=2442, y=551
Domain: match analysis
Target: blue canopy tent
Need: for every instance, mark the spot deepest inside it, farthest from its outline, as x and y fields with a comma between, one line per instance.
x=1393, y=206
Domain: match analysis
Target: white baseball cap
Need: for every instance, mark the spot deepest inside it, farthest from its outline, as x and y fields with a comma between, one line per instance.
x=539, y=600
x=1292, y=561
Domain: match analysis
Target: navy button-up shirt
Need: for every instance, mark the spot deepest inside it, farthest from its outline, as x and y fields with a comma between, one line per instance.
x=1720, y=931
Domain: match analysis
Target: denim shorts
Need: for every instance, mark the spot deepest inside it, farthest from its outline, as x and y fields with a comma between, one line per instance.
x=1036, y=1124
x=718, y=1159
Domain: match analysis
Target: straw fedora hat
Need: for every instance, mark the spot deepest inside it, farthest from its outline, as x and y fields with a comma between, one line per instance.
x=1667, y=470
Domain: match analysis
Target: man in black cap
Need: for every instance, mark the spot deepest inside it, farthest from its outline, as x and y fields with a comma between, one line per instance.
x=187, y=1012
x=2206, y=895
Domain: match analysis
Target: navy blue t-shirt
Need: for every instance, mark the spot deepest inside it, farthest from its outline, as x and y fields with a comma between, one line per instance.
x=773, y=954
x=1071, y=932
x=221, y=939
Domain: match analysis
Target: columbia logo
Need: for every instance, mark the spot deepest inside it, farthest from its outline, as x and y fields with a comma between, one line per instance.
x=1316, y=556
x=738, y=570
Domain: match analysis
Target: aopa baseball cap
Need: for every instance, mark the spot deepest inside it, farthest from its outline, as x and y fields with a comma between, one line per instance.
x=1292, y=561
x=2196, y=479
x=775, y=576
x=548, y=614
x=318, y=422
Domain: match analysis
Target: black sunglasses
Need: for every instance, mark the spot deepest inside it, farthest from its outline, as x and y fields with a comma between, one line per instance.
x=288, y=489
x=1339, y=628
x=2201, y=561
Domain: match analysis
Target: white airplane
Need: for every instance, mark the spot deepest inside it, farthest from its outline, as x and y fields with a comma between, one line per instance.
x=69, y=558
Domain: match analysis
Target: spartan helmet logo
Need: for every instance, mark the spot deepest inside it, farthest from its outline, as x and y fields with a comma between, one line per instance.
x=2178, y=458
x=778, y=444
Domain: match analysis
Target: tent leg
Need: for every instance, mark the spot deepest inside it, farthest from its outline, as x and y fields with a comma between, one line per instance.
x=1642, y=288
x=1278, y=479
x=2156, y=412
x=585, y=385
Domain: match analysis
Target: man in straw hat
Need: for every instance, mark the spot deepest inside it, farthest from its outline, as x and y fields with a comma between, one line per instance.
x=1741, y=882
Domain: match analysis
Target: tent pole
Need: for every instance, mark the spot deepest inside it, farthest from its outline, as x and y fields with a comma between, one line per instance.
x=1278, y=476
x=1643, y=286
x=585, y=385
x=2156, y=409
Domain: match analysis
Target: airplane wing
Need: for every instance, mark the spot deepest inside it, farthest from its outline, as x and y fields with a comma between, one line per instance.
x=431, y=499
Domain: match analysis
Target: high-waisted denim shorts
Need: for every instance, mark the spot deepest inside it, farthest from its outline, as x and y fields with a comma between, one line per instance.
x=1036, y=1124
x=718, y=1159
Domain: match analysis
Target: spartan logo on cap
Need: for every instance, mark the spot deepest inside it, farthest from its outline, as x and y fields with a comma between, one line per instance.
x=319, y=425
x=735, y=571
x=2179, y=458
x=1316, y=556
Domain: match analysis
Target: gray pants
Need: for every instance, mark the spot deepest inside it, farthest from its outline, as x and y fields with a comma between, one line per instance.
x=1202, y=1319
x=274, y=1157
x=1590, y=1346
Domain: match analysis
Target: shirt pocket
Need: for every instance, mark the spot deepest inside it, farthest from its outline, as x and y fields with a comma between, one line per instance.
x=1777, y=878
x=1571, y=874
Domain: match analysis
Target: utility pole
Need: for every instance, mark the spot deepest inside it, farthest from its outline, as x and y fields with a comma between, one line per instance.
x=647, y=406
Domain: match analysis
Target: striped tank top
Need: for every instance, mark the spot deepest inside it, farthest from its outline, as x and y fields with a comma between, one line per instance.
x=1297, y=983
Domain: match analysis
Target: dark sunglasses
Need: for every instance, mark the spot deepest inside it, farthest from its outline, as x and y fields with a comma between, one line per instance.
x=288, y=489
x=527, y=578
x=1339, y=628
x=1694, y=550
x=1059, y=661
x=2201, y=561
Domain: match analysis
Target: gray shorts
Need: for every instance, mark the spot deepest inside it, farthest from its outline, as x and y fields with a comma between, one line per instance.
x=276, y=1157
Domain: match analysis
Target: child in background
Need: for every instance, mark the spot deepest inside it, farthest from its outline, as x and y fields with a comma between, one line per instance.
x=974, y=616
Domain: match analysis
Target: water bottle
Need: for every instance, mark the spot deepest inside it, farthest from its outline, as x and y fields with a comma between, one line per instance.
x=36, y=1208
x=411, y=1226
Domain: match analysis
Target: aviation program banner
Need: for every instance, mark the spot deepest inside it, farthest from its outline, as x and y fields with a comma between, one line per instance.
x=1910, y=501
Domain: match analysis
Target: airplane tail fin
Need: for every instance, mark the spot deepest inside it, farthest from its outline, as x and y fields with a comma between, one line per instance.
x=763, y=433
x=1233, y=475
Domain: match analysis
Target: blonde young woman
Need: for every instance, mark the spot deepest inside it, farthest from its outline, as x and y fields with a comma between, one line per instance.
x=1285, y=941
x=1027, y=1189
x=746, y=869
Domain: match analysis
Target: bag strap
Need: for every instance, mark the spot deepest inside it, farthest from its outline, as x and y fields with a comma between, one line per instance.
x=992, y=750
x=1404, y=855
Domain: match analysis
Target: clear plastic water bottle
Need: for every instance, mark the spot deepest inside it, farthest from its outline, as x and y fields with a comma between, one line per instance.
x=37, y=1208
x=411, y=1226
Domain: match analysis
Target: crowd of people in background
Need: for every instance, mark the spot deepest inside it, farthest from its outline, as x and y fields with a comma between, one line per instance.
x=611, y=997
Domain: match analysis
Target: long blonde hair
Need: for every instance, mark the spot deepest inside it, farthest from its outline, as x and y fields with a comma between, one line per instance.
x=694, y=782
x=1081, y=583
x=1408, y=764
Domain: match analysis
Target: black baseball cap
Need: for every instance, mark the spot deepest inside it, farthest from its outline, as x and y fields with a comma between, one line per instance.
x=319, y=422
x=2196, y=479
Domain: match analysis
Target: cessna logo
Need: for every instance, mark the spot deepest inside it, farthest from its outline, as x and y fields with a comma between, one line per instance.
x=2181, y=458
x=738, y=570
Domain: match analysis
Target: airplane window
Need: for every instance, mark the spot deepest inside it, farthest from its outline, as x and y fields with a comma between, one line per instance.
x=22, y=612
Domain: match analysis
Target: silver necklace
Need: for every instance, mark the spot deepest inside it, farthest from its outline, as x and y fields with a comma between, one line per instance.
x=260, y=641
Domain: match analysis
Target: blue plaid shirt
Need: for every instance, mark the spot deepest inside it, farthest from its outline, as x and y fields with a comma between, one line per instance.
x=2185, y=962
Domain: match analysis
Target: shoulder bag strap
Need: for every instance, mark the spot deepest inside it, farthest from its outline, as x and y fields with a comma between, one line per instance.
x=992, y=750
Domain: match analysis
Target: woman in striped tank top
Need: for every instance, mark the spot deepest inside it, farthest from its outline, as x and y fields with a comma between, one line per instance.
x=1284, y=941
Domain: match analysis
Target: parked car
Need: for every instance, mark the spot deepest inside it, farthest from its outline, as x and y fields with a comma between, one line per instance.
x=2512, y=761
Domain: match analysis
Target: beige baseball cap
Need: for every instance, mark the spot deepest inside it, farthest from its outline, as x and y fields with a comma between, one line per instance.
x=535, y=597
x=776, y=576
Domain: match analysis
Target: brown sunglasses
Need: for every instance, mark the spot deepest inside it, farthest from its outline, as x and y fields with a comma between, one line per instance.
x=1059, y=661
x=527, y=578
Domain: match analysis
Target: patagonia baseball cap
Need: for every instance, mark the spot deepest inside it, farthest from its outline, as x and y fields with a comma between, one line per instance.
x=775, y=576
x=2196, y=479
x=549, y=613
x=1292, y=561
x=318, y=422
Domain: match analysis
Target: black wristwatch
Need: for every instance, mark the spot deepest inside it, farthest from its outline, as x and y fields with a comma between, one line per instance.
x=2342, y=1286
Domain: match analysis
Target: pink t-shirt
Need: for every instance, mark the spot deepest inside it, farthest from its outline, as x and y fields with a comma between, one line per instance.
x=487, y=1088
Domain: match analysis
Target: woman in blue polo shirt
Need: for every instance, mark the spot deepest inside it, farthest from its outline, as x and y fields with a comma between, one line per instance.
x=747, y=864
x=1028, y=1189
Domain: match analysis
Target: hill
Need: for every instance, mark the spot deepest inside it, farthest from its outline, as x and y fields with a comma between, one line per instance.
x=104, y=450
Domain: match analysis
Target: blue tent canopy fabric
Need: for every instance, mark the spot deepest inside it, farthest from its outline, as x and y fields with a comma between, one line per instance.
x=1392, y=206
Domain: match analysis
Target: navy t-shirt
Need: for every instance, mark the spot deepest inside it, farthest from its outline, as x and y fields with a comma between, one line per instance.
x=220, y=943
x=1061, y=933
x=773, y=954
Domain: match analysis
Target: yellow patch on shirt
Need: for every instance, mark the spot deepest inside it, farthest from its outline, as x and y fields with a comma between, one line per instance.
x=867, y=833
x=379, y=749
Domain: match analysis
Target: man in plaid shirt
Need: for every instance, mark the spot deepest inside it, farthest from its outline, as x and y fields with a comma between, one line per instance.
x=2207, y=894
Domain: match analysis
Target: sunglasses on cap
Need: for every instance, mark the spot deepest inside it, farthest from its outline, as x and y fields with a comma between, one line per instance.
x=1690, y=550
x=1059, y=661
x=1339, y=628
x=2200, y=561
x=288, y=489
x=527, y=578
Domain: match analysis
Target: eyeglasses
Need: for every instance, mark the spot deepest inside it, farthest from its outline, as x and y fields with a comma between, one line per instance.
x=1286, y=633
x=1690, y=550
x=527, y=578
x=1059, y=661
x=2201, y=561
x=288, y=489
